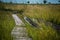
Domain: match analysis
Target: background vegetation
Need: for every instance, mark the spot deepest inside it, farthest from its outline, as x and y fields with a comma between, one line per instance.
x=6, y=25
x=42, y=13
x=45, y=12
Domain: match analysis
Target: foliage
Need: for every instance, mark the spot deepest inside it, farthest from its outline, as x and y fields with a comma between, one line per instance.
x=45, y=1
x=43, y=32
x=47, y=13
x=28, y=2
x=6, y=25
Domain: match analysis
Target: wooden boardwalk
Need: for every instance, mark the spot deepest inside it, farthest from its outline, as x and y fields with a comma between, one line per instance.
x=19, y=32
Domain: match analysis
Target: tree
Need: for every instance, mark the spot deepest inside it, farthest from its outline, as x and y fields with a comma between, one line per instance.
x=10, y=2
x=0, y=1
x=59, y=1
x=28, y=2
x=49, y=2
x=44, y=1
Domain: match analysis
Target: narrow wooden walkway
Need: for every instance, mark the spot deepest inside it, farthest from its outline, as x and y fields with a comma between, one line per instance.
x=19, y=32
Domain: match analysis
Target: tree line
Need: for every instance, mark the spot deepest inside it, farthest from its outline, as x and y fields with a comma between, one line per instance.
x=28, y=2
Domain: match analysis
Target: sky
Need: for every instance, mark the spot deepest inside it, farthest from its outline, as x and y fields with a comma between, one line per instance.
x=31, y=1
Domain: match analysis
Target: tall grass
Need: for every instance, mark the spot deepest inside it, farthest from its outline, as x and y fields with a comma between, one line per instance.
x=6, y=25
x=42, y=33
x=47, y=13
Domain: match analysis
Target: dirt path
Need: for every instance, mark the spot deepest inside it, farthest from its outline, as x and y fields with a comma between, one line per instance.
x=19, y=32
